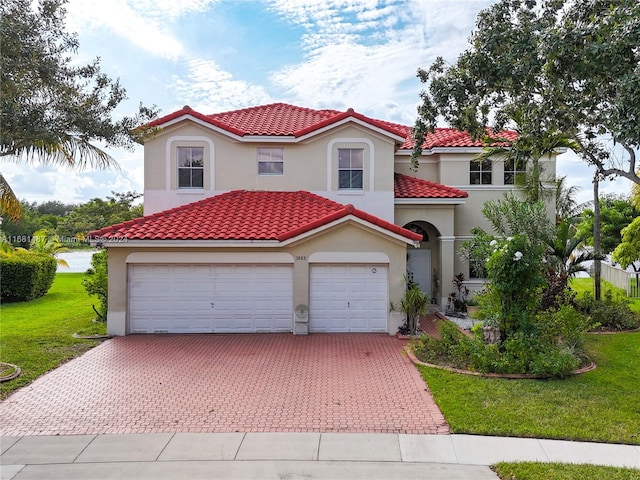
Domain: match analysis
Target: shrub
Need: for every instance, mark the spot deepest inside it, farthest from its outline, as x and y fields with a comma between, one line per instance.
x=25, y=275
x=515, y=273
x=555, y=361
x=611, y=313
x=95, y=282
x=429, y=349
x=565, y=325
x=520, y=353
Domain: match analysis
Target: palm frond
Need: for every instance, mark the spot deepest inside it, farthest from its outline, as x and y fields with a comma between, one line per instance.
x=66, y=150
x=9, y=204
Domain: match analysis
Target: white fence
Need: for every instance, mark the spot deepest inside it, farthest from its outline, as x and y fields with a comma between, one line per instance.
x=621, y=279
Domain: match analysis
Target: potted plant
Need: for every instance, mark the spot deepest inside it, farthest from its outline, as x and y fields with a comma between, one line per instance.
x=457, y=302
x=472, y=306
x=414, y=303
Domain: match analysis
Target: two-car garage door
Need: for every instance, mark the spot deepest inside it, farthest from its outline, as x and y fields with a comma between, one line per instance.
x=187, y=298
x=246, y=298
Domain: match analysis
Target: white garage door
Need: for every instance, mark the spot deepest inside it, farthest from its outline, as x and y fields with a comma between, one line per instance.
x=210, y=298
x=348, y=298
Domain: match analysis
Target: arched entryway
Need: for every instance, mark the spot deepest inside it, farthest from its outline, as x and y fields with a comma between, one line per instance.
x=423, y=262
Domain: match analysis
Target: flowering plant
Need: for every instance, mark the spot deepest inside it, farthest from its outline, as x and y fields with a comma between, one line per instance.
x=515, y=278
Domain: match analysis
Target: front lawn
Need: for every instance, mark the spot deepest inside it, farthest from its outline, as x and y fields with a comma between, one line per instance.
x=560, y=471
x=602, y=405
x=37, y=335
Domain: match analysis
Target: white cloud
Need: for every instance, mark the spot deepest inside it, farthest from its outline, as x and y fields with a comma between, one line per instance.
x=208, y=89
x=40, y=183
x=580, y=174
x=135, y=21
x=363, y=55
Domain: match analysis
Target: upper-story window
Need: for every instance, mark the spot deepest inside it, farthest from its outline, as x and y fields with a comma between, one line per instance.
x=514, y=170
x=270, y=161
x=480, y=172
x=350, y=173
x=190, y=167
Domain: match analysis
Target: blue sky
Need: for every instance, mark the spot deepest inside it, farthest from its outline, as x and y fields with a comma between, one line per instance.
x=219, y=55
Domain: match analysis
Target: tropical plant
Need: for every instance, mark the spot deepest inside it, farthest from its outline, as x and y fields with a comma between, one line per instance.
x=96, y=282
x=512, y=216
x=52, y=107
x=46, y=242
x=414, y=303
x=565, y=257
x=515, y=279
x=567, y=208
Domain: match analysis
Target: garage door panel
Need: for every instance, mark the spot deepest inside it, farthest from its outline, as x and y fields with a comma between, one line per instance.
x=348, y=298
x=210, y=298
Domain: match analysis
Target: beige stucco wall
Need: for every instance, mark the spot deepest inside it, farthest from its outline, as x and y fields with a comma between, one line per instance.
x=310, y=164
x=345, y=237
x=428, y=168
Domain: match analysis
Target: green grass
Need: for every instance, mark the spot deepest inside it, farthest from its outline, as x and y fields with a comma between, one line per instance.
x=602, y=405
x=36, y=335
x=584, y=285
x=559, y=471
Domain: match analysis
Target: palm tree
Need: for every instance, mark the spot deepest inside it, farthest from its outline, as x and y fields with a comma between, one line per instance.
x=64, y=150
x=45, y=242
x=528, y=150
x=566, y=206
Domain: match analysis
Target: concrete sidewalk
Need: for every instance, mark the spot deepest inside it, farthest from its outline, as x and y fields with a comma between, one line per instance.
x=288, y=456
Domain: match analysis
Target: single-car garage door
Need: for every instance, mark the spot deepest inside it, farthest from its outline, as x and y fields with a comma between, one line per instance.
x=206, y=298
x=348, y=298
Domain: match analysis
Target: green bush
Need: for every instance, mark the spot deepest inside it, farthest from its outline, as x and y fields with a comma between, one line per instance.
x=25, y=275
x=520, y=353
x=613, y=314
x=566, y=326
x=555, y=361
x=96, y=282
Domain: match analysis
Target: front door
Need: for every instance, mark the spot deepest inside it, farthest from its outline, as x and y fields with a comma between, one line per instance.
x=419, y=269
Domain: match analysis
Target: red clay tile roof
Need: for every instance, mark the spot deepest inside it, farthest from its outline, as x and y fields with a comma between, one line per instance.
x=405, y=186
x=281, y=119
x=276, y=119
x=243, y=215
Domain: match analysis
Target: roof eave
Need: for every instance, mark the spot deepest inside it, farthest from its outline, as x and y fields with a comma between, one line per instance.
x=430, y=201
x=311, y=131
x=235, y=135
x=107, y=243
x=347, y=218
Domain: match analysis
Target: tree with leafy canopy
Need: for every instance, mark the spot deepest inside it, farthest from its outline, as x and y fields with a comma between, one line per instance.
x=563, y=69
x=616, y=212
x=52, y=108
x=628, y=252
x=98, y=213
x=568, y=68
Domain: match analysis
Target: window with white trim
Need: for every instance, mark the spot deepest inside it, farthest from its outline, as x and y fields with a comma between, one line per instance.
x=350, y=168
x=270, y=161
x=190, y=167
x=514, y=170
x=480, y=172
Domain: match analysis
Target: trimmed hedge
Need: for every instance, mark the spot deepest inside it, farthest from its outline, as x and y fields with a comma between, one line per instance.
x=25, y=275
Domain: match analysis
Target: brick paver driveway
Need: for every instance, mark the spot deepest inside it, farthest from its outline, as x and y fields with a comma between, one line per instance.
x=228, y=383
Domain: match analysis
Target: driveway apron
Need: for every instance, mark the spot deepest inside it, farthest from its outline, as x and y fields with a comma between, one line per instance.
x=229, y=383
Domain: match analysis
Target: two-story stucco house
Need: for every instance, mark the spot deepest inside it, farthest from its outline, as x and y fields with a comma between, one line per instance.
x=279, y=218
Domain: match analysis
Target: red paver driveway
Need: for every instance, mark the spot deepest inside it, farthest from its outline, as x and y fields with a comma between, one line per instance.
x=229, y=383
